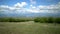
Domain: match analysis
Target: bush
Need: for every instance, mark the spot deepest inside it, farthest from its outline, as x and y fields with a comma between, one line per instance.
x=57, y=20
x=41, y=20
x=47, y=20
x=37, y=19
x=50, y=20
x=12, y=20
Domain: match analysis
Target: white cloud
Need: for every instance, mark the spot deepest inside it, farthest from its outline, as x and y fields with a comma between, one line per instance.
x=33, y=10
x=6, y=7
x=22, y=4
x=32, y=1
x=50, y=8
x=19, y=7
x=33, y=7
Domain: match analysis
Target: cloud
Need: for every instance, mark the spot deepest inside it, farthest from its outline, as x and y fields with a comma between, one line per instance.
x=16, y=6
x=6, y=8
x=50, y=8
x=21, y=7
x=22, y=4
x=32, y=1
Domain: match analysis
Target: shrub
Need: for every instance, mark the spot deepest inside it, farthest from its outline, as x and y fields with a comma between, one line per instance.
x=47, y=20
x=36, y=19
x=41, y=20
x=57, y=20
x=50, y=20
x=12, y=20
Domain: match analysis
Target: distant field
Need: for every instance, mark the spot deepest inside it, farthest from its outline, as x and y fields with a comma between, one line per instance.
x=29, y=28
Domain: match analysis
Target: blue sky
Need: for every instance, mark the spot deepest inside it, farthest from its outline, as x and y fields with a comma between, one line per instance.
x=35, y=6
x=38, y=2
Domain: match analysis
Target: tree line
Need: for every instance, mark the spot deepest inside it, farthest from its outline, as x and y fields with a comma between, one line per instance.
x=37, y=19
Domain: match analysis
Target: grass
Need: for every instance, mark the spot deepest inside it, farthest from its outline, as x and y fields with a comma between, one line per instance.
x=29, y=28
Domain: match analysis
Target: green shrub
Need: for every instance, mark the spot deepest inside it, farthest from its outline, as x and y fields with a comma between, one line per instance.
x=41, y=20
x=50, y=20
x=13, y=20
x=47, y=20
x=57, y=20
x=36, y=19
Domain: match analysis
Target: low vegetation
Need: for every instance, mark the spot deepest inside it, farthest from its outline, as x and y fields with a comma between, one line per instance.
x=39, y=25
x=47, y=20
x=29, y=28
x=14, y=19
x=37, y=19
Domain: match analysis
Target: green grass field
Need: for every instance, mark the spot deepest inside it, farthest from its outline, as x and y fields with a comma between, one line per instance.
x=29, y=28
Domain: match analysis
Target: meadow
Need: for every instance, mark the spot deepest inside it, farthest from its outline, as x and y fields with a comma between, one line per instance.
x=29, y=27
x=38, y=25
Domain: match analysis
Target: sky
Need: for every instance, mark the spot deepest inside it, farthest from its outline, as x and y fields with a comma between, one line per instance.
x=32, y=6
